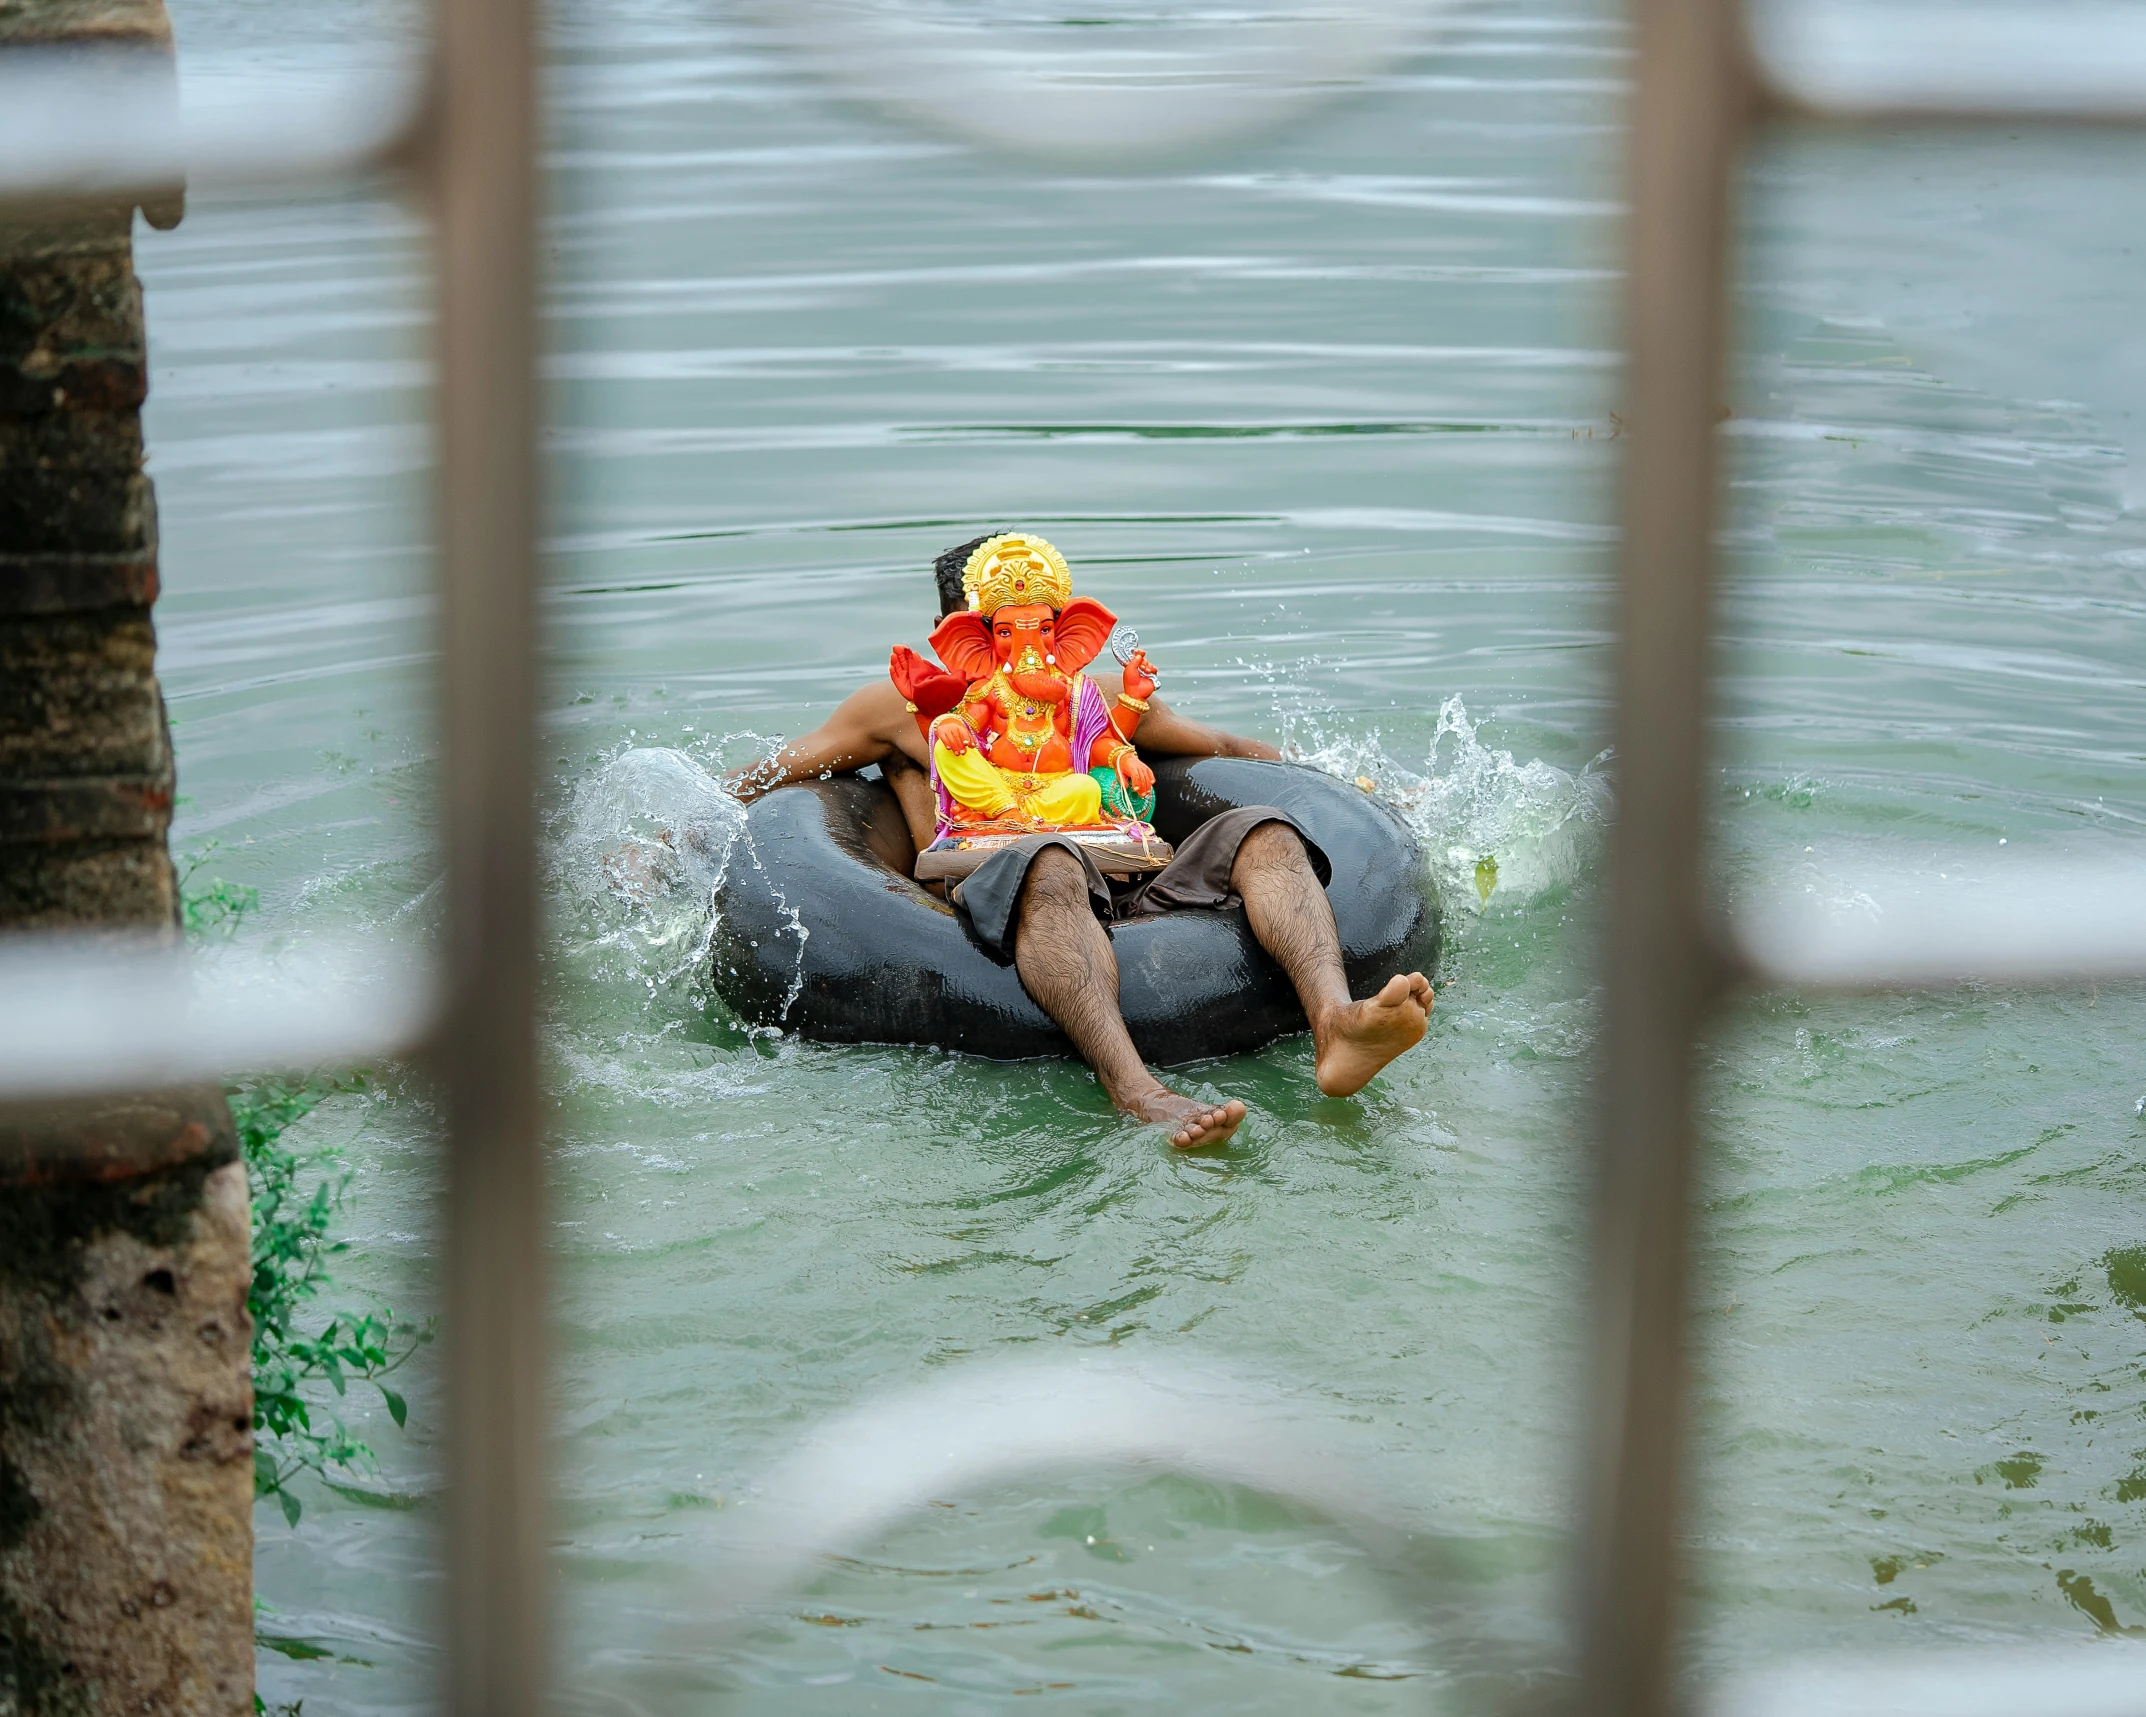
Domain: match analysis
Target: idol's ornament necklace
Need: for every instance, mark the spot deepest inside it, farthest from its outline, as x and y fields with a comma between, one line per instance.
x=1030, y=722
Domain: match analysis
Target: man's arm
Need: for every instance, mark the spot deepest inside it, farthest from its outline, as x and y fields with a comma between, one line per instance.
x=1164, y=731
x=875, y=720
x=865, y=726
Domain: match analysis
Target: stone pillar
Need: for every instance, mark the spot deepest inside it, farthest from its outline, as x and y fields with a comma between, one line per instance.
x=126, y=1420
x=126, y=1405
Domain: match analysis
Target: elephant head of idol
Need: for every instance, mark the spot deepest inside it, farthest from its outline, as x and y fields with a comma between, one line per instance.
x=1023, y=620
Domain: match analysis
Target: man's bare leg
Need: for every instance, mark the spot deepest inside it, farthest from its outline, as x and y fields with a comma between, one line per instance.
x=1294, y=922
x=1065, y=960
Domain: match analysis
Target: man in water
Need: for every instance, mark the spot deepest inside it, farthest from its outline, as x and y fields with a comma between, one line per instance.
x=1052, y=916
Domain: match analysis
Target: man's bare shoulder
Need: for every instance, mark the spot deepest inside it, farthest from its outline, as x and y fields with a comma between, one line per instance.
x=877, y=710
x=878, y=715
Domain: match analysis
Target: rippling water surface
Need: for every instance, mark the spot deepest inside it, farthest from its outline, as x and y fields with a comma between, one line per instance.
x=1328, y=416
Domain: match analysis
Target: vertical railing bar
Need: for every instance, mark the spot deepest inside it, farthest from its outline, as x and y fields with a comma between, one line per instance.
x=484, y=179
x=1687, y=114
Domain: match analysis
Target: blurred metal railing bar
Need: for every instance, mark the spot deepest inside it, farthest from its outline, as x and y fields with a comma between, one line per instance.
x=2023, y=925
x=82, y=1016
x=1694, y=101
x=2103, y=1679
x=1098, y=97
x=483, y=176
x=478, y=142
x=1867, y=61
x=83, y=124
x=981, y=1426
x=86, y=125
x=1701, y=88
x=1685, y=122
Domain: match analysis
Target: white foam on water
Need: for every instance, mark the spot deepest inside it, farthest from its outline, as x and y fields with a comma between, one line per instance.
x=647, y=841
x=1495, y=831
x=648, y=838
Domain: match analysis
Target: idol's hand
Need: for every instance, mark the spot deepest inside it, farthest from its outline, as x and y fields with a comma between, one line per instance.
x=952, y=734
x=1140, y=681
x=1138, y=778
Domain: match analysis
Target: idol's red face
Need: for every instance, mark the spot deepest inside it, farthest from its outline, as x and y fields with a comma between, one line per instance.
x=1017, y=630
x=1024, y=641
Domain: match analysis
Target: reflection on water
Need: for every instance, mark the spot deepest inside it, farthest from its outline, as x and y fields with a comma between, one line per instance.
x=1328, y=419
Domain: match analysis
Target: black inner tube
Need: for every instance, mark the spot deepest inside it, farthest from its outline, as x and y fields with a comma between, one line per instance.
x=818, y=933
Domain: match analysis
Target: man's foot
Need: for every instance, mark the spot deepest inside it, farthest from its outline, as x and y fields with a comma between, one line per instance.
x=1191, y=1124
x=1353, y=1042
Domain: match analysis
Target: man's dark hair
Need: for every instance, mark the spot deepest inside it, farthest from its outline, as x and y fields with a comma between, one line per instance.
x=947, y=570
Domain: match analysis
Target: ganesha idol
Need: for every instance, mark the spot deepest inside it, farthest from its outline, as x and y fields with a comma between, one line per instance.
x=1021, y=739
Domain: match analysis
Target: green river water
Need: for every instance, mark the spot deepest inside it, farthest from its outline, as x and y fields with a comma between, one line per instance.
x=1327, y=415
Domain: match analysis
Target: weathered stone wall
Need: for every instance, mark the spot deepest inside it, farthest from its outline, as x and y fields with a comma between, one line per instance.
x=126, y=1408
x=85, y=758
x=126, y=1441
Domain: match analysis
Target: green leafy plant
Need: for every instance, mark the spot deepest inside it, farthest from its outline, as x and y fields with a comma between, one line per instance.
x=296, y=1198
x=214, y=910
x=295, y=1202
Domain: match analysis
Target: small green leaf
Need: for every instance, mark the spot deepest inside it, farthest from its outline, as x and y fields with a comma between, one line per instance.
x=1486, y=877
x=398, y=1410
x=297, y=1196
x=298, y=1650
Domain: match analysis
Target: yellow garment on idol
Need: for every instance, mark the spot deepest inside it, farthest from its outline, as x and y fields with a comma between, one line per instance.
x=1067, y=800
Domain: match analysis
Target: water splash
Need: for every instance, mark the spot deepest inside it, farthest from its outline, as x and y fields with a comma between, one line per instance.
x=1497, y=832
x=647, y=841
x=649, y=837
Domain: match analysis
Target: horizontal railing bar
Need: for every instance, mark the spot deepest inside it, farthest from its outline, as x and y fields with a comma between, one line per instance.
x=1868, y=61
x=80, y=1017
x=77, y=124
x=2019, y=924
x=983, y=1426
x=2101, y=1679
